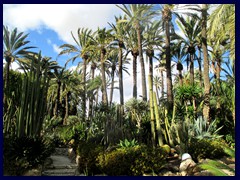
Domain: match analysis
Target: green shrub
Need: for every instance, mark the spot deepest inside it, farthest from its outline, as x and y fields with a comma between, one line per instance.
x=88, y=153
x=132, y=161
x=206, y=148
x=23, y=153
x=126, y=143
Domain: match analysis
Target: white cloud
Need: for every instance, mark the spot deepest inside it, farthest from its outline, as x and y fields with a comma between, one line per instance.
x=61, y=18
x=56, y=48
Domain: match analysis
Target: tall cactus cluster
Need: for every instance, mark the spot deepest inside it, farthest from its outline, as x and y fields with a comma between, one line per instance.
x=31, y=111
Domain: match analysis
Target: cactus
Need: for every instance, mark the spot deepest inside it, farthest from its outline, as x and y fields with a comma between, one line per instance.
x=158, y=123
x=30, y=114
x=151, y=110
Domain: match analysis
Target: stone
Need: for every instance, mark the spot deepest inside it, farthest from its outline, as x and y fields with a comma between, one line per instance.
x=33, y=172
x=187, y=165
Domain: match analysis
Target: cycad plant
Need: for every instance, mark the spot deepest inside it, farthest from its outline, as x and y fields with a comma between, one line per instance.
x=217, y=168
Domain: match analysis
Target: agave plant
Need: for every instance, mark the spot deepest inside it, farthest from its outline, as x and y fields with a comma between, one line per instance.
x=126, y=143
x=200, y=129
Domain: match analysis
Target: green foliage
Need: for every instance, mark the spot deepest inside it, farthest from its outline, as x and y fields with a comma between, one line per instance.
x=126, y=143
x=65, y=135
x=23, y=153
x=206, y=148
x=132, y=161
x=201, y=130
x=88, y=153
x=215, y=167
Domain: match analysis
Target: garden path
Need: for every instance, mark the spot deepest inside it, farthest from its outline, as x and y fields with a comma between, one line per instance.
x=59, y=164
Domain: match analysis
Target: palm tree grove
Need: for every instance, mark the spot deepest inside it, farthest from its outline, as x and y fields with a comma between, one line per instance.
x=179, y=120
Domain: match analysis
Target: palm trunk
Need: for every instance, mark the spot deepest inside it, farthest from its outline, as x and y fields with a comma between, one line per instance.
x=206, y=105
x=6, y=84
x=120, y=74
x=56, y=108
x=84, y=89
x=191, y=70
x=90, y=112
x=180, y=77
x=66, y=110
x=162, y=85
x=104, y=84
x=112, y=86
x=134, y=75
x=200, y=67
x=144, y=86
x=168, y=69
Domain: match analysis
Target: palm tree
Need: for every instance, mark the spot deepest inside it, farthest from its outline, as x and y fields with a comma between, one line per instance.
x=101, y=43
x=119, y=33
x=167, y=11
x=80, y=51
x=222, y=23
x=166, y=18
x=178, y=57
x=14, y=48
x=206, y=106
x=191, y=28
x=139, y=14
x=113, y=64
x=131, y=43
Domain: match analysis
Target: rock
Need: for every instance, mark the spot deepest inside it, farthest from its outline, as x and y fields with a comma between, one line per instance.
x=187, y=165
x=77, y=159
x=203, y=173
x=186, y=156
x=173, y=151
x=33, y=172
x=231, y=166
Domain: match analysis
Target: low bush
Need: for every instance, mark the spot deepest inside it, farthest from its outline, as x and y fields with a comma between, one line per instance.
x=23, y=153
x=88, y=153
x=206, y=148
x=133, y=161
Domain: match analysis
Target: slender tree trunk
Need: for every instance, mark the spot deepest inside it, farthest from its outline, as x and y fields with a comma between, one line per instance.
x=84, y=89
x=90, y=111
x=180, y=77
x=57, y=103
x=6, y=83
x=134, y=76
x=162, y=85
x=191, y=70
x=66, y=110
x=104, y=84
x=144, y=86
x=168, y=69
x=206, y=105
x=120, y=74
x=112, y=86
x=200, y=67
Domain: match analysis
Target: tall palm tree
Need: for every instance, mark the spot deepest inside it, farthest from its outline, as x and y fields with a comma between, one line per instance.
x=178, y=57
x=132, y=46
x=80, y=51
x=113, y=69
x=119, y=33
x=14, y=48
x=166, y=18
x=206, y=106
x=167, y=11
x=139, y=14
x=101, y=43
x=191, y=29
